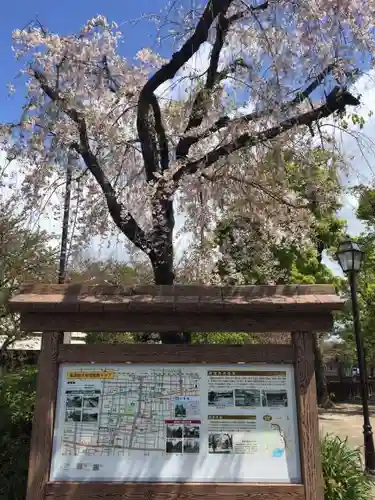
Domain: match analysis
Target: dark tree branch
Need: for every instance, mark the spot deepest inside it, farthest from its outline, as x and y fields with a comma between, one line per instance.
x=262, y=6
x=146, y=101
x=190, y=47
x=318, y=80
x=213, y=76
x=154, y=149
x=149, y=126
x=198, y=110
x=160, y=131
x=336, y=101
x=255, y=115
x=146, y=135
x=112, y=84
x=124, y=221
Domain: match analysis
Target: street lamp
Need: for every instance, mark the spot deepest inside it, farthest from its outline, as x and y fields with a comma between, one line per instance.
x=350, y=256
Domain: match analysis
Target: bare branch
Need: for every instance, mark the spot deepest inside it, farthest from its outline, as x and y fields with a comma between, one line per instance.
x=124, y=221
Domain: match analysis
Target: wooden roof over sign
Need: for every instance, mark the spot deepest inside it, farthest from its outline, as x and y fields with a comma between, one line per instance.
x=81, y=298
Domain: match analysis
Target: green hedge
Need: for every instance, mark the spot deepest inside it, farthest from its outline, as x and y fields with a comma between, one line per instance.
x=342, y=468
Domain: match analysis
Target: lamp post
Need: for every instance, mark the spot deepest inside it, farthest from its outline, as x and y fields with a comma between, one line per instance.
x=350, y=256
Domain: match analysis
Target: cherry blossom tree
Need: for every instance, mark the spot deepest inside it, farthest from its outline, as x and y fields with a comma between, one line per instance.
x=141, y=154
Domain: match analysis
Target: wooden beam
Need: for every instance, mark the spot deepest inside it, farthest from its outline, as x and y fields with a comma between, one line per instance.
x=75, y=289
x=308, y=416
x=75, y=298
x=176, y=491
x=183, y=322
x=169, y=353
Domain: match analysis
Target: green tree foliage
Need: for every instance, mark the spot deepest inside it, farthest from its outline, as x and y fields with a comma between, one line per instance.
x=25, y=256
x=247, y=258
x=223, y=338
x=366, y=302
x=287, y=262
x=365, y=286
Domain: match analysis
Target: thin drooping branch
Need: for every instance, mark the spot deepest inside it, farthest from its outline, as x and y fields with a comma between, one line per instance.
x=257, y=185
x=123, y=220
x=336, y=101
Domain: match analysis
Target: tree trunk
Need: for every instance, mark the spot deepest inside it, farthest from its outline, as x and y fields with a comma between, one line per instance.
x=323, y=396
x=162, y=265
x=163, y=275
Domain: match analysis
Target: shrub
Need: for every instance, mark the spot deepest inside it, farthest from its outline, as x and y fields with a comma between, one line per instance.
x=344, y=478
x=17, y=398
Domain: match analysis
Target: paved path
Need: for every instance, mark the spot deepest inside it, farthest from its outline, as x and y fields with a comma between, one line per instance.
x=346, y=421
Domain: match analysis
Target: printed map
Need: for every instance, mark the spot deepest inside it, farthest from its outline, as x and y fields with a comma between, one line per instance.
x=122, y=411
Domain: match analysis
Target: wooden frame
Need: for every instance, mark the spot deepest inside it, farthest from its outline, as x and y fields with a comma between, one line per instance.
x=299, y=353
x=185, y=322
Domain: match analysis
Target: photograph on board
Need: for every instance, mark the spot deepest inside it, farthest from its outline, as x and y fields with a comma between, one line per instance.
x=73, y=401
x=89, y=415
x=191, y=446
x=220, y=443
x=220, y=398
x=91, y=401
x=180, y=410
x=275, y=398
x=73, y=416
x=173, y=446
x=247, y=398
x=191, y=431
x=174, y=431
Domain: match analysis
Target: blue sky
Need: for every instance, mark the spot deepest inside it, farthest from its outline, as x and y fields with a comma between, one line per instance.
x=67, y=17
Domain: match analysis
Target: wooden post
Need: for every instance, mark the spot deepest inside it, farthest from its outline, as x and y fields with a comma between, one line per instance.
x=43, y=421
x=307, y=411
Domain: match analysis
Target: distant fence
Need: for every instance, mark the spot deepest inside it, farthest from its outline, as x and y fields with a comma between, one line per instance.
x=348, y=389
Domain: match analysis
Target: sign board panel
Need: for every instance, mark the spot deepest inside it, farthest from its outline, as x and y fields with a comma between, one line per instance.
x=176, y=423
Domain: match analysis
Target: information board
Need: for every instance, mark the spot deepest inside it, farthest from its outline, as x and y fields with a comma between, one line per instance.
x=176, y=423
